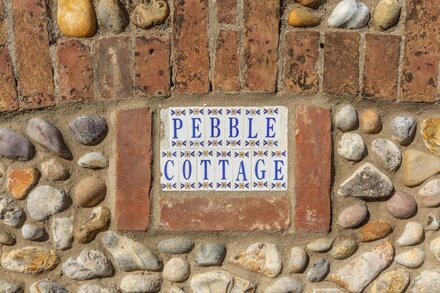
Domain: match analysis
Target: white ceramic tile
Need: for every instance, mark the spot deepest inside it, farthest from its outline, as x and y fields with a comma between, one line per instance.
x=278, y=169
x=196, y=127
x=187, y=170
x=234, y=127
x=169, y=164
x=205, y=169
x=241, y=169
x=223, y=170
x=271, y=127
x=260, y=169
x=178, y=125
x=253, y=128
x=215, y=127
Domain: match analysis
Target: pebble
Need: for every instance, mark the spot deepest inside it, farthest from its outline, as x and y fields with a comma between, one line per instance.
x=360, y=271
x=141, y=283
x=413, y=234
x=401, y=205
x=2, y=173
x=418, y=167
x=62, y=233
x=29, y=260
x=89, y=192
x=386, y=14
x=403, y=128
x=302, y=17
x=99, y=221
x=130, y=255
x=412, y=258
x=349, y=14
x=346, y=118
x=370, y=121
x=47, y=286
x=426, y=282
x=14, y=146
x=175, y=289
x=344, y=249
x=93, y=161
x=45, y=201
x=76, y=18
x=429, y=194
x=148, y=15
x=210, y=254
x=11, y=213
x=320, y=245
x=176, y=270
x=176, y=245
x=353, y=216
x=432, y=223
x=430, y=130
x=375, y=230
x=89, y=130
x=351, y=147
x=54, y=170
x=328, y=290
x=309, y=3
x=10, y=287
x=220, y=281
x=88, y=265
x=6, y=238
x=367, y=182
x=262, y=258
x=360, y=18
x=434, y=247
x=21, y=181
x=393, y=281
x=112, y=16
x=32, y=232
x=318, y=271
x=387, y=154
x=298, y=260
x=285, y=285
x=94, y=288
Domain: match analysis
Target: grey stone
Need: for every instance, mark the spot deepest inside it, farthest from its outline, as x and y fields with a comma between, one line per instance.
x=298, y=260
x=11, y=213
x=351, y=147
x=346, y=119
x=54, y=170
x=112, y=16
x=403, y=129
x=434, y=247
x=176, y=270
x=6, y=238
x=94, y=288
x=88, y=265
x=344, y=249
x=10, y=287
x=32, y=232
x=175, y=289
x=48, y=136
x=321, y=244
x=130, y=255
x=387, y=154
x=47, y=286
x=412, y=258
x=220, y=281
x=45, y=201
x=432, y=223
x=428, y=281
x=141, y=283
x=89, y=130
x=285, y=285
x=176, y=245
x=93, y=161
x=318, y=271
x=62, y=231
x=210, y=254
x=14, y=146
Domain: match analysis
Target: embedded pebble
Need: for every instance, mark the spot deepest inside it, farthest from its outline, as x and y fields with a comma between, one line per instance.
x=432, y=223
x=285, y=285
x=374, y=230
x=220, y=281
x=351, y=147
x=386, y=14
x=434, y=247
x=430, y=130
x=88, y=265
x=360, y=18
x=11, y=213
x=99, y=221
x=309, y=3
x=401, y=205
x=387, y=154
x=148, y=15
x=429, y=194
x=54, y=170
x=21, y=181
x=403, y=128
x=47, y=286
x=141, y=283
x=344, y=249
x=413, y=234
x=32, y=232
x=10, y=287
x=175, y=289
x=370, y=122
x=112, y=16
x=29, y=260
x=176, y=245
x=93, y=161
x=412, y=258
x=45, y=201
x=320, y=245
x=346, y=118
x=210, y=254
x=48, y=136
x=14, y=146
x=318, y=271
x=89, y=192
x=62, y=232
x=130, y=255
x=302, y=17
x=89, y=130
x=176, y=270
x=353, y=216
x=349, y=14
x=427, y=281
x=6, y=238
x=393, y=281
x=94, y=288
x=298, y=260
x=418, y=166
x=76, y=18
x=2, y=173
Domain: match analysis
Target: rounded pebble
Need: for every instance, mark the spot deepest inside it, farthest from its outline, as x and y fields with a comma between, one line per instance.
x=45, y=201
x=298, y=260
x=301, y=17
x=346, y=118
x=32, y=232
x=112, y=16
x=320, y=245
x=375, y=230
x=89, y=129
x=434, y=247
x=386, y=14
x=141, y=283
x=353, y=216
x=344, y=249
x=318, y=271
x=148, y=15
x=387, y=154
x=429, y=194
x=403, y=129
x=89, y=192
x=54, y=170
x=10, y=287
x=285, y=285
x=401, y=205
x=176, y=270
x=412, y=234
x=412, y=258
x=76, y=18
x=432, y=223
x=391, y=281
x=370, y=121
x=351, y=147
x=93, y=161
x=176, y=245
x=6, y=238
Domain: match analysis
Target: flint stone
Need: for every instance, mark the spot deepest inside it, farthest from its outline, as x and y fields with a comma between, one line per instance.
x=47, y=286
x=89, y=130
x=346, y=119
x=428, y=281
x=220, y=281
x=413, y=234
x=387, y=154
x=351, y=147
x=29, y=260
x=344, y=249
x=318, y=271
x=176, y=245
x=45, y=201
x=14, y=146
x=285, y=285
x=10, y=287
x=32, y=232
x=412, y=258
x=141, y=283
x=62, y=232
x=88, y=265
x=94, y=288
x=403, y=129
x=11, y=213
x=432, y=223
x=210, y=254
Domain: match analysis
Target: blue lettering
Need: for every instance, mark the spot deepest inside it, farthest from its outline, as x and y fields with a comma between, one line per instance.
x=278, y=169
x=250, y=129
x=223, y=163
x=187, y=169
x=215, y=127
x=177, y=125
x=263, y=172
x=270, y=126
x=241, y=171
x=233, y=125
x=196, y=127
x=205, y=163
x=165, y=171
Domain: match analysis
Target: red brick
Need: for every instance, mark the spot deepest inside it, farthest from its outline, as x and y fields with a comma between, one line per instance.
x=112, y=68
x=341, y=63
x=422, y=51
x=381, y=67
x=312, y=169
x=3, y=29
x=225, y=214
x=31, y=41
x=75, y=73
x=133, y=169
x=8, y=93
x=191, y=55
x=227, y=11
x=301, y=56
x=152, y=65
x=261, y=18
x=227, y=64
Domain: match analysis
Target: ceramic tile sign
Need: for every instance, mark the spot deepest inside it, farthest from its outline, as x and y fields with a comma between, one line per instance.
x=223, y=148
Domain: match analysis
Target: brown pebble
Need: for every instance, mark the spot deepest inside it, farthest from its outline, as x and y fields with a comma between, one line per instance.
x=375, y=230
x=21, y=181
x=301, y=17
x=309, y=3
x=89, y=192
x=353, y=216
x=99, y=221
x=370, y=121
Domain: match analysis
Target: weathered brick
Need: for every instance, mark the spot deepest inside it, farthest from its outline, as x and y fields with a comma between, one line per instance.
x=191, y=56
x=225, y=214
x=312, y=169
x=301, y=57
x=31, y=42
x=152, y=65
x=8, y=93
x=227, y=11
x=75, y=73
x=261, y=19
x=133, y=169
x=341, y=63
x=3, y=29
x=381, y=66
x=422, y=51
x=112, y=68
x=227, y=64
